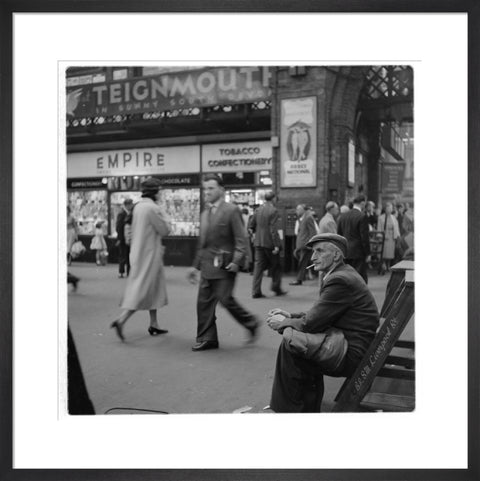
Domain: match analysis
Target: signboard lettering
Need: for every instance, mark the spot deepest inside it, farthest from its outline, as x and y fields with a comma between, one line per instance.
x=199, y=88
x=145, y=161
x=243, y=156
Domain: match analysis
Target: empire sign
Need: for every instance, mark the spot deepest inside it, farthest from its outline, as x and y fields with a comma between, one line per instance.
x=199, y=88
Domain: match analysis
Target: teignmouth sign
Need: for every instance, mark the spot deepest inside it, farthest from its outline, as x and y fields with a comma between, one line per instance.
x=157, y=93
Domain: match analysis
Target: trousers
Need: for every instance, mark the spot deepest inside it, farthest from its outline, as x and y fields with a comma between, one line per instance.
x=264, y=258
x=123, y=259
x=304, y=258
x=298, y=385
x=210, y=293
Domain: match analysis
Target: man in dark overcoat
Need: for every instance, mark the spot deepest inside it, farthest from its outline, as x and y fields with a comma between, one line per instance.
x=353, y=225
x=220, y=254
x=264, y=225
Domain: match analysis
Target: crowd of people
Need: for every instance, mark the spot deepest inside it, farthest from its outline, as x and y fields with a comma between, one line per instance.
x=328, y=339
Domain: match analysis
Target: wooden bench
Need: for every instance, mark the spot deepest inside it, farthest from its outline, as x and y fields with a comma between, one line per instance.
x=397, y=310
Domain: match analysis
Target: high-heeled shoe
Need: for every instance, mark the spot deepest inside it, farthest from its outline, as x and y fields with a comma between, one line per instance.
x=118, y=329
x=153, y=331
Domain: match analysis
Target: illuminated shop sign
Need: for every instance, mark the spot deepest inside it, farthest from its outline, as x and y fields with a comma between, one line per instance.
x=237, y=157
x=198, y=88
x=146, y=161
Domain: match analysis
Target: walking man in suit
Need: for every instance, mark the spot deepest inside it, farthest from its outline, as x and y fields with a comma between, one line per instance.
x=306, y=230
x=353, y=225
x=267, y=247
x=219, y=257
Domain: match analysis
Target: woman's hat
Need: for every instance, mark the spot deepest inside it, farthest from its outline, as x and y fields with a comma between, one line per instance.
x=150, y=184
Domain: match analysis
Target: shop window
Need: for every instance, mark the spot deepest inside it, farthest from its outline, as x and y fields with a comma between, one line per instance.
x=88, y=208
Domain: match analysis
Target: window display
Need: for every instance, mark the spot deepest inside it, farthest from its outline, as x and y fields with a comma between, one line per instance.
x=246, y=197
x=88, y=207
x=182, y=205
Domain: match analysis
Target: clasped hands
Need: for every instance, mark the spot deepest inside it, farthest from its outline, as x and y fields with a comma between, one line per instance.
x=275, y=318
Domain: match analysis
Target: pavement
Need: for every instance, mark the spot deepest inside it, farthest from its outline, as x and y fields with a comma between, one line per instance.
x=162, y=373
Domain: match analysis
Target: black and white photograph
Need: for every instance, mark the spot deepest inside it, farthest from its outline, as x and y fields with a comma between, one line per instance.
x=264, y=214
x=239, y=243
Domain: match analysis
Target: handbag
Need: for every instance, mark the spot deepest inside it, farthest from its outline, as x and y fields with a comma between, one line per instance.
x=77, y=249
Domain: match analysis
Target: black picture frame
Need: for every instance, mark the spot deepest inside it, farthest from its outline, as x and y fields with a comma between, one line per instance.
x=8, y=8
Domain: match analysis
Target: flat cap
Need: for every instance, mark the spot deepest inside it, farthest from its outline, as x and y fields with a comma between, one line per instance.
x=150, y=184
x=335, y=239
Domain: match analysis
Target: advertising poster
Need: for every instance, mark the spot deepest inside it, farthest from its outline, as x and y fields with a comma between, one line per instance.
x=298, y=154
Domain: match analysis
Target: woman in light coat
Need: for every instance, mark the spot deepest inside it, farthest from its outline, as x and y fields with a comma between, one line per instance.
x=388, y=224
x=146, y=289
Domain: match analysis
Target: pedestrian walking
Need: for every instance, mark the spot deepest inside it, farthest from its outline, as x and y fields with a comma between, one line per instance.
x=124, y=217
x=353, y=225
x=146, y=286
x=306, y=230
x=99, y=245
x=327, y=223
x=248, y=262
x=388, y=224
x=72, y=233
x=267, y=247
x=220, y=254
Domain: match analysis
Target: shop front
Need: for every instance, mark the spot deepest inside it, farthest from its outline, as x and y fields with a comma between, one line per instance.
x=99, y=182
x=245, y=167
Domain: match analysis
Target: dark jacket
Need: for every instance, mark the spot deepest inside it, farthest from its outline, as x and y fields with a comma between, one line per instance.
x=265, y=225
x=225, y=236
x=353, y=225
x=345, y=303
x=120, y=225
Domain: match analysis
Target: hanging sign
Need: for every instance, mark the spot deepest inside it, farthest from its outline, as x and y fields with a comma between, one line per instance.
x=298, y=152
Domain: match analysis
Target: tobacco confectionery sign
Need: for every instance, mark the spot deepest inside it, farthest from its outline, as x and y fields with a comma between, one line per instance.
x=145, y=161
x=175, y=90
x=237, y=157
x=298, y=141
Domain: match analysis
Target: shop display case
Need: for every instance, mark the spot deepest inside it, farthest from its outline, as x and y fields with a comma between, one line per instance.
x=245, y=197
x=88, y=207
x=182, y=205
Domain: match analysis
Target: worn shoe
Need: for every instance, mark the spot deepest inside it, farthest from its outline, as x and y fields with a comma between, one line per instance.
x=253, y=333
x=296, y=283
x=153, y=331
x=280, y=293
x=257, y=296
x=118, y=329
x=205, y=345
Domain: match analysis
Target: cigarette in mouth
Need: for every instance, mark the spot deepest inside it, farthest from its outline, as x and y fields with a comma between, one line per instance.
x=309, y=267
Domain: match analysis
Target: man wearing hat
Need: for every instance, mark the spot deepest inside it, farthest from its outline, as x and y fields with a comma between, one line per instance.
x=331, y=338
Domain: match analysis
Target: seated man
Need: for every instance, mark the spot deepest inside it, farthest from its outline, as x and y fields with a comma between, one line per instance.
x=331, y=338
